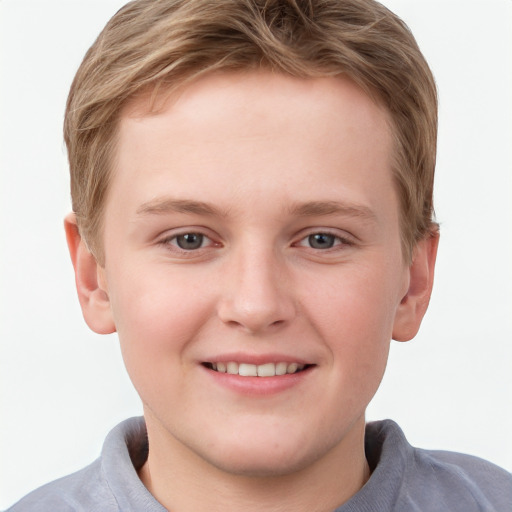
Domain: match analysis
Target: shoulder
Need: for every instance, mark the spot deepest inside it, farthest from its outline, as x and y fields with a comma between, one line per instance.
x=83, y=490
x=110, y=484
x=465, y=477
x=417, y=479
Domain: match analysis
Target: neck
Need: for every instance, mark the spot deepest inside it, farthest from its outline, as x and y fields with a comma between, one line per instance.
x=183, y=482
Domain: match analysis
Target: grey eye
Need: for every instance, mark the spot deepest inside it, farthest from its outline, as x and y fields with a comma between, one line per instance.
x=321, y=241
x=190, y=241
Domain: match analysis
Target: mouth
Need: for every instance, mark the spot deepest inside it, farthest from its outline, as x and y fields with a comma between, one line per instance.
x=257, y=370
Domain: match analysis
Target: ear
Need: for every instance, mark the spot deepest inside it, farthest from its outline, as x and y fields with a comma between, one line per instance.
x=414, y=304
x=90, y=281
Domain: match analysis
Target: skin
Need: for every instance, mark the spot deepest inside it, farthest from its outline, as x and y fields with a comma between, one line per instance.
x=255, y=164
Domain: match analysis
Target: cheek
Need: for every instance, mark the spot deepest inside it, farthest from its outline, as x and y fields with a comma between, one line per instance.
x=156, y=317
x=355, y=317
x=360, y=302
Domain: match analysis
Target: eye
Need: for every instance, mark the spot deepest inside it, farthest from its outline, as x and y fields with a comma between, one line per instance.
x=322, y=240
x=187, y=242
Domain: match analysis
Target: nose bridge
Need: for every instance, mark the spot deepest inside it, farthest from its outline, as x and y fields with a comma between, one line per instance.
x=256, y=295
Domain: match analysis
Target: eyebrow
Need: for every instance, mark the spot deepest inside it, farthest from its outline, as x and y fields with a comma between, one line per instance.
x=319, y=208
x=160, y=206
x=164, y=205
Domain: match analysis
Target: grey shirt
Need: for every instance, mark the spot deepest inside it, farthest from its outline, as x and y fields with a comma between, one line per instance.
x=404, y=479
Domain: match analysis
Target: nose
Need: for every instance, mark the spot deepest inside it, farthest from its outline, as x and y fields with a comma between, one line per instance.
x=257, y=295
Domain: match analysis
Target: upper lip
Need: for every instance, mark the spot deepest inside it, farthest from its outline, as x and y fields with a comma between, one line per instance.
x=256, y=359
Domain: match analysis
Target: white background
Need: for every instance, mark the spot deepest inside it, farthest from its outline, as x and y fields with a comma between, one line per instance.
x=63, y=387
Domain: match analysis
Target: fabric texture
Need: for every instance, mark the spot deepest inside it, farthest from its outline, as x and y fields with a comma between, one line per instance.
x=404, y=479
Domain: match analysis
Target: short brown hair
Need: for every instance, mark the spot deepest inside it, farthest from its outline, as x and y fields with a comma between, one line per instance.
x=166, y=43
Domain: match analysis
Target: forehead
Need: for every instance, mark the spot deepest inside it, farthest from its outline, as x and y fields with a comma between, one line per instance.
x=254, y=133
x=276, y=96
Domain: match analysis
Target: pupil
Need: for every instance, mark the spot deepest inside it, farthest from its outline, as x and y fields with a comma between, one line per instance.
x=189, y=241
x=321, y=241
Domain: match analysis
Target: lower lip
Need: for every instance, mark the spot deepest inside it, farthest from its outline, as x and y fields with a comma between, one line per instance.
x=259, y=386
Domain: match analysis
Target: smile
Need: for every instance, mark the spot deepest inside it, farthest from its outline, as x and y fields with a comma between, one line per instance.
x=256, y=370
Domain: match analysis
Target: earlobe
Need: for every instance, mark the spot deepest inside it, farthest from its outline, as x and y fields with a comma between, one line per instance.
x=89, y=280
x=415, y=302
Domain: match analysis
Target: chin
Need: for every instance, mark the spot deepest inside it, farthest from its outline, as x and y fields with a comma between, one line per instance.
x=258, y=465
x=266, y=456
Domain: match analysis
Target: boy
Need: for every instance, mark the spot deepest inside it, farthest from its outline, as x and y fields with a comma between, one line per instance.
x=252, y=196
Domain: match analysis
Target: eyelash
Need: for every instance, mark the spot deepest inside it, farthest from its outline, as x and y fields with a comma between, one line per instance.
x=173, y=240
x=338, y=242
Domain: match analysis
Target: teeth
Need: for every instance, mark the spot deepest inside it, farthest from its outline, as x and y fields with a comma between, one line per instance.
x=253, y=370
x=292, y=368
x=232, y=368
x=267, y=370
x=281, y=368
x=247, y=370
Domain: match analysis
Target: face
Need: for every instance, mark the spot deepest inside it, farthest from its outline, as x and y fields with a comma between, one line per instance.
x=253, y=266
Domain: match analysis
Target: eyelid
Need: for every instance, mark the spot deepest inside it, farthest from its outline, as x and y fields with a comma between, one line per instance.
x=172, y=234
x=343, y=239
